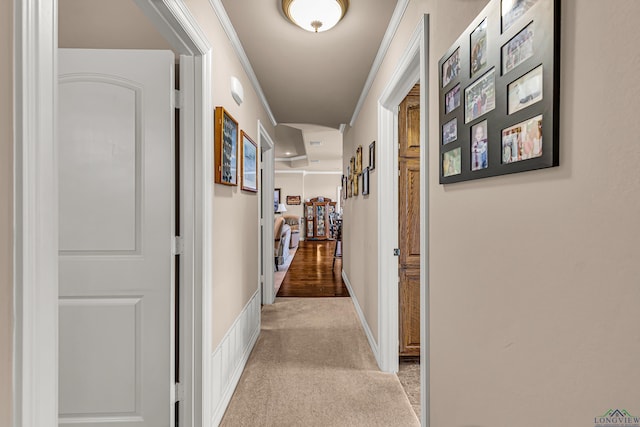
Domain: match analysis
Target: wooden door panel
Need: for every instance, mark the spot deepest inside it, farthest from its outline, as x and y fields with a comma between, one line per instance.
x=410, y=312
x=409, y=124
x=409, y=213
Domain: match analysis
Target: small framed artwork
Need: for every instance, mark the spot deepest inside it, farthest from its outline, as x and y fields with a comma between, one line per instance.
x=450, y=131
x=512, y=10
x=352, y=165
x=451, y=68
x=522, y=141
x=480, y=97
x=358, y=169
x=479, y=48
x=365, y=181
x=452, y=99
x=525, y=91
x=226, y=147
x=479, y=146
x=356, y=181
x=293, y=200
x=518, y=49
x=276, y=199
x=350, y=186
x=345, y=191
x=451, y=162
x=249, y=163
x=372, y=156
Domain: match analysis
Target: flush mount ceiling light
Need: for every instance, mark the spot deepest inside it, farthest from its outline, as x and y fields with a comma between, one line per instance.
x=315, y=15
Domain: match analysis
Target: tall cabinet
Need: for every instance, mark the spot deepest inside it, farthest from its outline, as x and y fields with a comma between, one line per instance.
x=316, y=214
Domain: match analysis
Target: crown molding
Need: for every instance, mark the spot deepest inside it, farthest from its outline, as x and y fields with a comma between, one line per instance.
x=221, y=12
x=394, y=23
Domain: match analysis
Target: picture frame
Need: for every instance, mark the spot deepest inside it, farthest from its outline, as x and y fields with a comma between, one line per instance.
x=276, y=199
x=525, y=91
x=372, y=156
x=249, y=164
x=352, y=166
x=521, y=87
x=452, y=99
x=450, y=131
x=365, y=181
x=356, y=181
x=479, y=148
x=518, y=49
x=480, y=96
x=358, y=169
x=294, y=200
x=512, y=10
x=450, y=68
x=479, y=48
x=350, y=187
x=225, y=148
x=344, y=182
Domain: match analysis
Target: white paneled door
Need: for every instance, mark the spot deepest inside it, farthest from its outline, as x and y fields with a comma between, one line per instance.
x=116, y=186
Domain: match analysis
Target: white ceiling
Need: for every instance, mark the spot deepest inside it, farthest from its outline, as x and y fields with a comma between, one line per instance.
x=308, y=77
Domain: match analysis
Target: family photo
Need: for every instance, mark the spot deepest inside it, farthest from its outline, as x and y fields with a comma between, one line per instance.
x=452, y=99
x=480, y=97
x=514, y=9
x=525, y=91
x=450, y=131
x=522, y=141
x=518, y=49
x=451, y=68
x=479, y=158
x=451, y=162
x=479, y=48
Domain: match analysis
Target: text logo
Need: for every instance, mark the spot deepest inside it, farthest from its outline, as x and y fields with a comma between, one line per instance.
x=616, y=418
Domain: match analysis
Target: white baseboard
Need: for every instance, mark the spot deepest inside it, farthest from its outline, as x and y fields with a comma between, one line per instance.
x=363, y=320
x=229, y=359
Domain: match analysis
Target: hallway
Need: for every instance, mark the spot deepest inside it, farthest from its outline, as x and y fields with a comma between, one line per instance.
x=312, y=366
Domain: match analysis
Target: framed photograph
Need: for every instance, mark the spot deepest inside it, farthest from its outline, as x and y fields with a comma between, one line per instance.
x=344, y=183
x=294, y=200
x=509, y=84
x=452, y=99
x=512, y=10
x=350, y=186
x=352, y=166
x=276, y=199
x=249, y=163
x=358, y=169
x=372, y=156
x=451, y=162
x=522, y=141
x=365, y=181
x=525, y=91
x=356, y=179
x=479, y=146
x=480, y=97
x=479, y=48
x=451, y=68
x=518, y=49
x=450, y=131
x=226, y=147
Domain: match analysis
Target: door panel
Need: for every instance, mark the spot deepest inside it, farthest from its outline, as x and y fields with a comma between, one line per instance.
x=116, y=226
x=409, y=223
x=409, y=124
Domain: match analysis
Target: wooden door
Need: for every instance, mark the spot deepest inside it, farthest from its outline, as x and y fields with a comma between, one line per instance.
x=409, y=223
x=116, y=347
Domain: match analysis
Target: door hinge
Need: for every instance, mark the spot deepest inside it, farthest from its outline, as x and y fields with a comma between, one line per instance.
x=178, y=392
x=396, y=252
x=177, y=246
x=177, y=99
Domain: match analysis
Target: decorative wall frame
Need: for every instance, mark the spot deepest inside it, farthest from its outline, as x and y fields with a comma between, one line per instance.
x=276, y=198
x=225, y=148
x=358, y=169
x=372, y=156
x=249, y=164
x=365, y=181
x=294, y=200
x=499, y=92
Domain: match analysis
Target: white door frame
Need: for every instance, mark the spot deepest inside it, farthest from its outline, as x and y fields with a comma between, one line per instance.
x=266, y=144
x=36, y=208
x=412, y=68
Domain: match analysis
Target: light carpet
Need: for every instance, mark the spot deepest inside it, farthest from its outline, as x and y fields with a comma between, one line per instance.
x=312, y=366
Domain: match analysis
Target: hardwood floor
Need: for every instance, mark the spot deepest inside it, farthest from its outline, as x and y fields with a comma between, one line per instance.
x=310, y=272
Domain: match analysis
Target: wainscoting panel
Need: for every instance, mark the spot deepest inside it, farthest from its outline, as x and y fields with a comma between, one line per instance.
x=363, y=320
x=229, y=359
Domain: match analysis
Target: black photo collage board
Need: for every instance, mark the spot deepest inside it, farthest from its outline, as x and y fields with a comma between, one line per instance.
x=499, y=92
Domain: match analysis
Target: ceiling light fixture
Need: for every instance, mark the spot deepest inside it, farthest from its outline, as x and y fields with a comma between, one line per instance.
x=315, y=15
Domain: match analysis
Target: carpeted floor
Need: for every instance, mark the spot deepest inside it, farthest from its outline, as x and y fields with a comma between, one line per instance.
x=409, y=376
x=312, y=366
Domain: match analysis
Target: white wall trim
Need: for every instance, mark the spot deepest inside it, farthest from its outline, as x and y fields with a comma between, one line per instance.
x=266, y=144
x=231, y=355
x=394, y=23
x=221, y=12
x=363, y=320
x=36, y=215
x=412, y=67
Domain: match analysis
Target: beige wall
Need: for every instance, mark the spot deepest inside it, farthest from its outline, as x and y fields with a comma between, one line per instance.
x=6, y=209
x=235, y=221
x=534, y=286
x=291, y=184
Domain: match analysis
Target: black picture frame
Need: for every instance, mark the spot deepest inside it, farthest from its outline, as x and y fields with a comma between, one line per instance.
x=276, y=199
x=365, y=181
x=536, y=23
x=372, y=156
